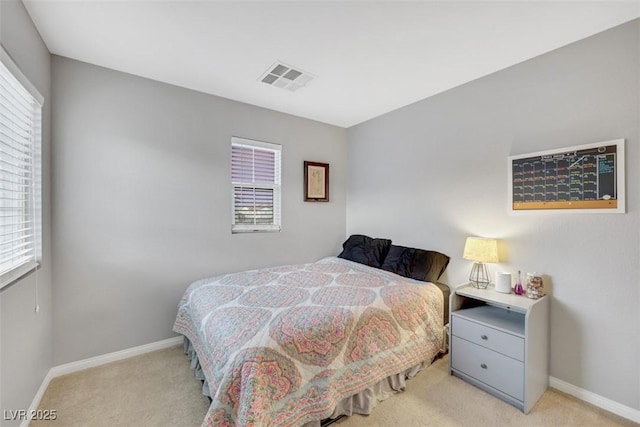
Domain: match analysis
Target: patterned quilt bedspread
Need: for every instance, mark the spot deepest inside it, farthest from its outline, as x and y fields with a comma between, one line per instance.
x=282, y=346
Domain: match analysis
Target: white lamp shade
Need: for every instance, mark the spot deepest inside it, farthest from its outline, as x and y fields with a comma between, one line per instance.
x=481, y=250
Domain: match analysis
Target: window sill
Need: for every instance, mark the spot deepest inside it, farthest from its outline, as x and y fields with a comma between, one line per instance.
x=18, y=274
x=251, y=230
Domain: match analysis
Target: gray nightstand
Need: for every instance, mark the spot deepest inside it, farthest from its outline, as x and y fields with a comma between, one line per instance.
x=500, y=343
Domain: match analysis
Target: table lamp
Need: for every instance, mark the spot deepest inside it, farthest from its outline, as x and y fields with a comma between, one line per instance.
x=480, y=250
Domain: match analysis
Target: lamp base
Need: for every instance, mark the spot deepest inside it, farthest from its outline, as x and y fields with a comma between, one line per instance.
x=479, y=276
x=480, y=285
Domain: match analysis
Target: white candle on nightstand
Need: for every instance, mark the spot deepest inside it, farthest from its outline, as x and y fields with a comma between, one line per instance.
x=503, y=282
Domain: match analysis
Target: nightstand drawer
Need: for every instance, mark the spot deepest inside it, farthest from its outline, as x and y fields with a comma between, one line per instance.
x=502, y=342
x=496, y=370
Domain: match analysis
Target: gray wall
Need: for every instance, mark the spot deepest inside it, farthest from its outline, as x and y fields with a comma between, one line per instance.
x=435, y=172
x=141, y=190
x=25, y=336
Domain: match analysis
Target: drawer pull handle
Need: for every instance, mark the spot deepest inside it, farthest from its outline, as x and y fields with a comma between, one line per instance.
x=484, y=337
x=483, y=366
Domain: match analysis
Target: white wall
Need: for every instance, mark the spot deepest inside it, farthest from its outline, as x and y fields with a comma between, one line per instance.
x=25, y=336
x=142, y=202
x=434, y=172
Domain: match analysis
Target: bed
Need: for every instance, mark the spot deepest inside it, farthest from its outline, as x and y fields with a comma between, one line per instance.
x=293, y=345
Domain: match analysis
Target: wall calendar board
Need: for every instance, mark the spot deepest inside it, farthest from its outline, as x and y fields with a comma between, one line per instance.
x=586, y=178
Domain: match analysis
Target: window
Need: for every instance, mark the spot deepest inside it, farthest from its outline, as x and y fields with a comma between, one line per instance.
x=255, y=178
x=20, y=128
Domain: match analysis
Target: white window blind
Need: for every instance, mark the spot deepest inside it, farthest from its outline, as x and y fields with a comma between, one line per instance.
x=20, y=133
x=255, y=178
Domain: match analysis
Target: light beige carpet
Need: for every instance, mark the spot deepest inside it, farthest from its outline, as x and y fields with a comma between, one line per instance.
x=159, y=389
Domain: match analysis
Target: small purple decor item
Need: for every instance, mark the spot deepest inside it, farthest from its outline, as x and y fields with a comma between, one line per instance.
x=518, y=290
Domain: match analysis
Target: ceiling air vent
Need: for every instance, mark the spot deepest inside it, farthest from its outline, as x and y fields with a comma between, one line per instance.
x=286, y=77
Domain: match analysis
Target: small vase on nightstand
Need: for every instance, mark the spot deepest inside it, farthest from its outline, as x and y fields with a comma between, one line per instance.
x=518, y=290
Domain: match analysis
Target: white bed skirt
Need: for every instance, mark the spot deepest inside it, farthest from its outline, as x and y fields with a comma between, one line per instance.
x=364, y=402
x=360, y=403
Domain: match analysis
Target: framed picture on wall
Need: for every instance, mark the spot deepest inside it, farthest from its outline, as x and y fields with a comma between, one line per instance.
x=316, y=182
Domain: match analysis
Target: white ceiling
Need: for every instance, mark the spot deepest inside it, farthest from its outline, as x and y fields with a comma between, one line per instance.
x=369, y=57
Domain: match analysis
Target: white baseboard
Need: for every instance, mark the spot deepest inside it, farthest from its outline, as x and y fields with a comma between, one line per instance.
x=38, y=397
x=92, y=362
x=80, y=365
x=596, y=399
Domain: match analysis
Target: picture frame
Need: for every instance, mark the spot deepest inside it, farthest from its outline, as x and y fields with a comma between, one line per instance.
x=316, y=182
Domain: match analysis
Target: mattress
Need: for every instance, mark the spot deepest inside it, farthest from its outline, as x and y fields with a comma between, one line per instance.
x=285, y=346
x=446, y=292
